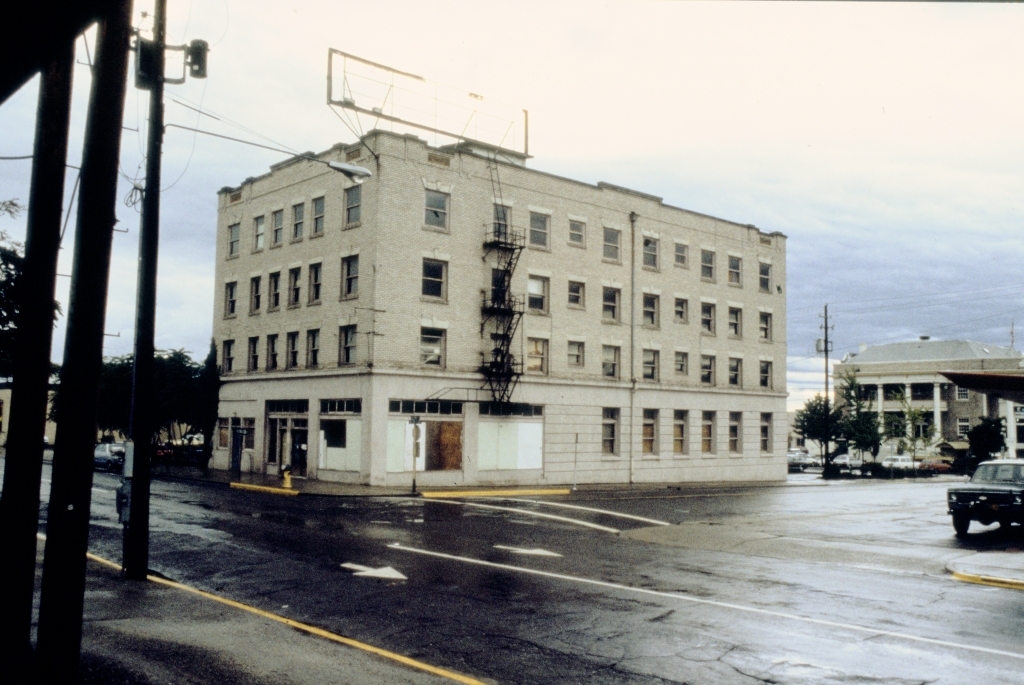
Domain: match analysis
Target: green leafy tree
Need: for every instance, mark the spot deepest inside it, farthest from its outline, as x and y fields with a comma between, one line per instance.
x=820, y=420
x=11, y=262
x=860, y=425
x=208, y=391
x=986, y=439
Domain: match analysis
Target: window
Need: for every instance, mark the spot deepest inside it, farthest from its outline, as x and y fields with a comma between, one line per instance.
x=576, y=353
x=502, y=220
x=434, y=278
x=347, y=345
x=294, y=288
x=259, y=230
x=298, y=215
x=707, y=265
x=292, y=351
x=707, y=432
x=610, y=361
x=446, y=407
x=735, y=372
x=278, y=219
x=254, y=354
x=230, y=298
x=766, y=432
x=315, y=282
x=577, y=292
x=234, y=237
x=318, y=216
x=735, y=322
x=432, y=346
x=963, y=427
x=962, y=393
x=683, y=363
x=577, y=233
x=679, y=438
x=254, y=295
x=353, y=202
x=650, y=363
x=271, y=352
x=682, y=310
x=707, y=369
x=651, y=313
x=536, y=355
x=610, y=304
x=735, y=431
x=650, y=253
x=682, y=255
x=539, y=229
x=649, y=434
x=764, y=277
x=274, y=291
x=350, y=276
x=707, y=317
x=765, y=326
x=609, y=430
x=537, y=294
x=612, y=238
x=228, y=356
x=735, y=270
x=312, y=348
x=436, y=212
x=766, y=375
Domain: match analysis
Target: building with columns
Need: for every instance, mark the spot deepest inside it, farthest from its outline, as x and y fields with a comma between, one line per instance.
x=912, y=370
x=540, y=329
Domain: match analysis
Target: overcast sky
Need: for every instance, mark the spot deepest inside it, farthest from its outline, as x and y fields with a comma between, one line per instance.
x=884, y=139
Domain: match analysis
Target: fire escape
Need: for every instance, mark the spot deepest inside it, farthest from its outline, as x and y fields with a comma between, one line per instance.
x=501, y=309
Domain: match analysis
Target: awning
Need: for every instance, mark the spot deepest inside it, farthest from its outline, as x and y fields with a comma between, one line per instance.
x=1009, y=386
x=954, y=445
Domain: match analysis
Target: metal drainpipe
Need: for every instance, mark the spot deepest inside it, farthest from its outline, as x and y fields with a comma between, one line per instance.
x=633, y=216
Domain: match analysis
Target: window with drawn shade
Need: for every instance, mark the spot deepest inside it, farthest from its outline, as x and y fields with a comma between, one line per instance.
x=432, y=346
x=436, y=212
x=537, y=294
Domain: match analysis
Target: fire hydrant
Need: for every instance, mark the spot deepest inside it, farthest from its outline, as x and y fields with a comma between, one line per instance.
x=286, y=473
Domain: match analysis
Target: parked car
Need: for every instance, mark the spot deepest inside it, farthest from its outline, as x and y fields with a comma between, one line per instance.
x=936, y=466
x=898, y=463
x=848, y=462
x=798, y=460
x=109, y=456
x=994, y=493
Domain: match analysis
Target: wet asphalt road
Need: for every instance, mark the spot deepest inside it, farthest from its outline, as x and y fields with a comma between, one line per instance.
x=807, y=583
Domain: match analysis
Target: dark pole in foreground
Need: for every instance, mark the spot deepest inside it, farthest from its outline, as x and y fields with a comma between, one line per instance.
x=136, y=534
x=828, y=414
x=60, y=613
x=19, y=506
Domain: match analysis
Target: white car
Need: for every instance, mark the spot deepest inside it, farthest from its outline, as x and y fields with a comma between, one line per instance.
x=848, y=462
x=898, y=463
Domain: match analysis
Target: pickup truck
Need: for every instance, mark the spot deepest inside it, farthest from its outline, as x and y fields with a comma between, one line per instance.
x=994, y=493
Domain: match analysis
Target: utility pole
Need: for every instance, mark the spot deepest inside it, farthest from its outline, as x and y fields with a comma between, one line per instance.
x=19, y=506
x=60, y=612
x=136, y=532
x=828, y=413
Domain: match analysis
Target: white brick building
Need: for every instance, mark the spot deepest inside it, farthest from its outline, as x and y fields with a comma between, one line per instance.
x=652, y=347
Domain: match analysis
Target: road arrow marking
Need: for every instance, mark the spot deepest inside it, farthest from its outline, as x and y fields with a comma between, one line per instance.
x=536, y=551
x=369, y=572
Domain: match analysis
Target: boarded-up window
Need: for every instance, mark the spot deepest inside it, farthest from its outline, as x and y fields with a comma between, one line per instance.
x=444, y=445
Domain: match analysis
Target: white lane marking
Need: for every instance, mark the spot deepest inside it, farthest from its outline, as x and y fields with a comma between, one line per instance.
x=370, y=572
x=527, y=512
x=709, y=602
x=596, y=511
x=535, y=552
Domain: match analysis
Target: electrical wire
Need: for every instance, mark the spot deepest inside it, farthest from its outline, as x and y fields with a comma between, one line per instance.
x=18, y=157
x=194, y=137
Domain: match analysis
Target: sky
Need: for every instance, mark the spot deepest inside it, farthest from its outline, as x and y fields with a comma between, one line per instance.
x=883, y=139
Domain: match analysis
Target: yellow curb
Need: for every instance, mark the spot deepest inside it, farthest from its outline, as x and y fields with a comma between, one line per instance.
x=265, y=488
x=447, y=494
x=306, y=628
x=1007, y=583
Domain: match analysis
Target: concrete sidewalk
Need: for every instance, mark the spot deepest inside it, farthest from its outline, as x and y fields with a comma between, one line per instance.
x=143, y=633
x=1001, y=569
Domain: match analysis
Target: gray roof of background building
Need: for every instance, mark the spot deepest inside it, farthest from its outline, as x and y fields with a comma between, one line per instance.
x=932, y=350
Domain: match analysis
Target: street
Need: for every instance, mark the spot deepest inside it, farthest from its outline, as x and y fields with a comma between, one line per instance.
x=803, y=583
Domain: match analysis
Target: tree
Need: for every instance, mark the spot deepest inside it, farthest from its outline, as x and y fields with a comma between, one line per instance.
x=208, y=397
x=860, y=424
x=986, y=439
x=11, y=262
x=921, y=431
x=820, y=420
